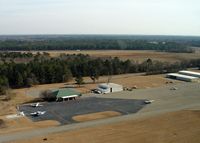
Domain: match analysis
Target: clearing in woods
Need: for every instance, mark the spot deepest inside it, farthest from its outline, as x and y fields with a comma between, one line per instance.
x=135, y=55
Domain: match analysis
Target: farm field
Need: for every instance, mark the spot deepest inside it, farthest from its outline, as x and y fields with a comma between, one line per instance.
x=136, y=55
x=174, y=127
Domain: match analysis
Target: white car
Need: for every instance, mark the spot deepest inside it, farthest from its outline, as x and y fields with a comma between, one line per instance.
x=148, y=101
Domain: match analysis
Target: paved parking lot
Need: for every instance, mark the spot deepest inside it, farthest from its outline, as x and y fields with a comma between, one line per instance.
x=64, y=111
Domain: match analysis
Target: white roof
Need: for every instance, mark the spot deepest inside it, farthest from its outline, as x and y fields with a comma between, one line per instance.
x=190, y=72
x=110, y=85
x=183, y=76
x=71, y=96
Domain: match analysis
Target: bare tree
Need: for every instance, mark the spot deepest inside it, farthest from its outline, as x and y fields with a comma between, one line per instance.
x=47, y=95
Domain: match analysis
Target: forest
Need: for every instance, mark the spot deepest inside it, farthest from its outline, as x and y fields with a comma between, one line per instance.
x=43, y=69
x=158, y=43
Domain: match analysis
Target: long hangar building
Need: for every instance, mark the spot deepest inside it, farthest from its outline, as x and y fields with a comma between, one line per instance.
x=185, y=76
x=190, y=73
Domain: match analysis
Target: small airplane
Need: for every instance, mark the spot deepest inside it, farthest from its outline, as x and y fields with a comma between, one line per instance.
x=37, y=113
x=36, y=105
x=148, y=101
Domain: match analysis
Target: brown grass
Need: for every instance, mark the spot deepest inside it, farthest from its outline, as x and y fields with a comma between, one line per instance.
x=176, y=127
x=9, y=107
x=95, y=116
x=127, y=80
x=24, y=124
x=130, y=80
x=136, y=55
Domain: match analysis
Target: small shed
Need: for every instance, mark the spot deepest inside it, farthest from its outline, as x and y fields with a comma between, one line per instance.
x=66, y=94
x=109, y=87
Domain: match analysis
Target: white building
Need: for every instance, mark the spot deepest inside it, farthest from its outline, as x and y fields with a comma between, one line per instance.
x=190, y=73
x=109, y=87
x=182, y=77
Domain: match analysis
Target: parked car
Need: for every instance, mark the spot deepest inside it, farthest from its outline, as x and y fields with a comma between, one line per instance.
x=96, y=91
x=148, y=101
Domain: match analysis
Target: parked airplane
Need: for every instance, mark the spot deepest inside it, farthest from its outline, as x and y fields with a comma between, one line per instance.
x=36, y=105
x=38, y=113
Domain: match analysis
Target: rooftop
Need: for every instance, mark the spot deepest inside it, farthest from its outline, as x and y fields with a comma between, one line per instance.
x=109, y=84
x=183, y=76
x=60, y=93
x=190, y=72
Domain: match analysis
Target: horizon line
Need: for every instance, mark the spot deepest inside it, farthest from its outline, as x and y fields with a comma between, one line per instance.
x=164, y=35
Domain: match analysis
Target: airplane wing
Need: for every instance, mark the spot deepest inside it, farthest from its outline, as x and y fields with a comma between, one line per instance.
x=37, y=104
x=34, y=113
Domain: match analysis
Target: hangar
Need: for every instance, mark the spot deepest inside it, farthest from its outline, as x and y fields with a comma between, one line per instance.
x=182, y=77
x=109, y=87
x=190, y=73
x=65, y=94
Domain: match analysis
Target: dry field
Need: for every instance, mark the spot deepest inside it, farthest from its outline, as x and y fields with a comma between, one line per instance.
x=136, y=55
x=24, y=124
x=96, y=116
x=175, y=127
x=18, y=96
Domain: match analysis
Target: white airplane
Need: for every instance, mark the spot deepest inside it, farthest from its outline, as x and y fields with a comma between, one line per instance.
x=36, y=105
x=38, y=113
x=148, y=101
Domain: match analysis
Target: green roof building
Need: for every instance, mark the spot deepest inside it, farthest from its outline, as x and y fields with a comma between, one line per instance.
x=66, y=93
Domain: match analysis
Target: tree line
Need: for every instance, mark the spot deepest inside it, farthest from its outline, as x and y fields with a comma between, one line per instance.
x=45, y=70
x=93, y=44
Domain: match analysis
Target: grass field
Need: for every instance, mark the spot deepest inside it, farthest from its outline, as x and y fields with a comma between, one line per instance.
x=24, y=124
x=136, y=55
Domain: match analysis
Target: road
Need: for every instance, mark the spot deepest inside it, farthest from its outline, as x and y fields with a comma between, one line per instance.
x=186, y=97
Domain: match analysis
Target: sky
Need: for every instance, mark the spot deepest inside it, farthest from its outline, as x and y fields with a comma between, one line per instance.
x=132, y=17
